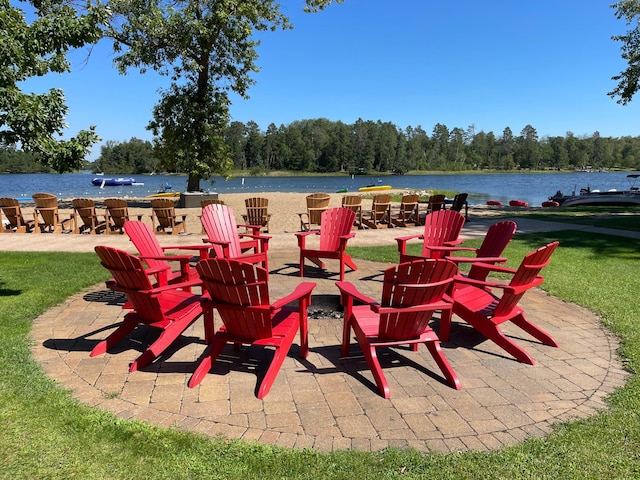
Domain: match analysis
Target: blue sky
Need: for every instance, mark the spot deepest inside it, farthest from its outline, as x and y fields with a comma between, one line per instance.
x=411, y=62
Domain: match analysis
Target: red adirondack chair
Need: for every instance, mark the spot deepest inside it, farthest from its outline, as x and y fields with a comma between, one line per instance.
x=223, y=238
x=335, y=231
x=411, y=293
x=168, y=308
x=495, y=241
x=441, y=228
x=153, y=254
x=474, y=302
x=240, y=293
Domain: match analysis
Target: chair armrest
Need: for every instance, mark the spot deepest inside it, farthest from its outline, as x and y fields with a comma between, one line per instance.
x=302, y=236
x=303, y=289
x=402, y=242
x=199, y=248
x=175, y=258
x=262, y=238
x=452, y=248
x=254, y=228
x=479, y=260
x=349, y=289
x=513, y=289
x=495, y=268
x=441, y=305
x=113, y=285
x=195, y=282
x=222, y=243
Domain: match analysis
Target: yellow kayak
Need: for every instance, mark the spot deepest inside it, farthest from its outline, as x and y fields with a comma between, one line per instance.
x=374, y=188
x=164, y=194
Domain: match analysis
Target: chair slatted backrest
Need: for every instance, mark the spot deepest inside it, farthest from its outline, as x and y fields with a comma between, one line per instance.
x=526, y=274
x=412, y=284
x=85, y=208
x=47, y=207
x=117, y=211
x=436, y=202
x=316, y=204
x=220, y=225
x=440, y=227
x=131, y=279
x=240, y=294
x=257, y=211
x=336, y=222
x=211, y=201
x=352, y=202
x=12, y=211
x=380, y=206
x=495, y=241
x=165, y=211
x=142, y=237
x=459, y=201
x=408, y=207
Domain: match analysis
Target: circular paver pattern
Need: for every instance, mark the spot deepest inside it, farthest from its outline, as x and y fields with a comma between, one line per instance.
x=328, y=402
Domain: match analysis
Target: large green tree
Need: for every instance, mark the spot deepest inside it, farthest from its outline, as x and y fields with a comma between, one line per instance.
x=34, y=41
x=628, y=80
x=208, y=47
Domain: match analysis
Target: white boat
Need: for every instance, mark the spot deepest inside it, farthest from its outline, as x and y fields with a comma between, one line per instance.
x=612, y=197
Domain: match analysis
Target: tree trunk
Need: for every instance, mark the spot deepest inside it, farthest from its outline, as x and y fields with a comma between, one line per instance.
x=193, y=184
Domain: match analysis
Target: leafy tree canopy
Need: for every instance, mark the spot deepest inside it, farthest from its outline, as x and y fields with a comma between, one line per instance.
x=208, y=48
x=33, y=44
x=628, y=80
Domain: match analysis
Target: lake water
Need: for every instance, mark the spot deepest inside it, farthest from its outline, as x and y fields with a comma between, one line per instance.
x=533, y=188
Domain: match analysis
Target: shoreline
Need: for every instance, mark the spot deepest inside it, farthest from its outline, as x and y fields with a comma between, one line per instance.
x=284, y=208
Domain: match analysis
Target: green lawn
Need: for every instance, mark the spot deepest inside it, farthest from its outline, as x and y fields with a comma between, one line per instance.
x=623, y=218
x=44, y=433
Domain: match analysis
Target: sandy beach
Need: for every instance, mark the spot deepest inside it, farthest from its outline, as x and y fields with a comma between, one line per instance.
x=283, y=207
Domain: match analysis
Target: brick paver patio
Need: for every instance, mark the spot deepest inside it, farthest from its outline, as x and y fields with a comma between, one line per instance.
x=327, y=402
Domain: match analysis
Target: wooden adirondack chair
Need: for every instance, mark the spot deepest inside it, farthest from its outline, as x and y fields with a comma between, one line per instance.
x=13, y=213
x=335, y=231
x=226, y=242
x=153, y=254
x=116, y=214
x=380, y=214
x=85, y=218
x=441, y=228
x=354, y=202
x=170, y=308
x=316, y=204
x=411, y=293
x=257, y=213
x=475, y=303
x=435, y=203
x=495, y=241
x=46, y=215
x=407, y=214
x=240, y=293
x=460, y=202
x=164, y=218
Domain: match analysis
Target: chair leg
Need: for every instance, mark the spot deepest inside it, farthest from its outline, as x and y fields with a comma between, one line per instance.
x=371, y=357
x=166, y=338
x=349, y=261
x=445, y=325
x=211, y=353
x=493, y=333
x=129, y=323
x=534, y=330
x=443, y=363
x=278, y=359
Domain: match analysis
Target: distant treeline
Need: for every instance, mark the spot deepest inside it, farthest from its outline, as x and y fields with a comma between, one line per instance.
x=17, y=161
x=325, y=146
